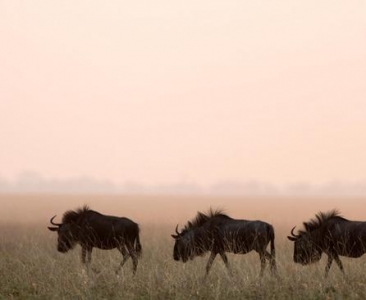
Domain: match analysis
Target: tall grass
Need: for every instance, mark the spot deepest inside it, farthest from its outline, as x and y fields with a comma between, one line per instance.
x=31, y=268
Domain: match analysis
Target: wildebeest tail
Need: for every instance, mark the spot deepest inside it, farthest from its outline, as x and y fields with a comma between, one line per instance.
x=273, y=249
x=138, y=247
x=272, y=239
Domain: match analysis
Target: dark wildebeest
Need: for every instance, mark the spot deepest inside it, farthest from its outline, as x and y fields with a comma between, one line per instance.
x=332, y=234
x=217, y=233
x=90, y=229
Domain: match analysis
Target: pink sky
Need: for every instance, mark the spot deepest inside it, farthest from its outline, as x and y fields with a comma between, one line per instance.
x=201, y=91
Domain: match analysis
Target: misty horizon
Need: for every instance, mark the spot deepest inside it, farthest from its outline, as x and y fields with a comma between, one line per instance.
x=34, y=182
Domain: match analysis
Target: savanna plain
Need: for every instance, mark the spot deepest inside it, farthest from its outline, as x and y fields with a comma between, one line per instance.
x=31, y=267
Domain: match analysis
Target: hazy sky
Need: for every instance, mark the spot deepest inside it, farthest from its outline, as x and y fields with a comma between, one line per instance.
x=201, y=91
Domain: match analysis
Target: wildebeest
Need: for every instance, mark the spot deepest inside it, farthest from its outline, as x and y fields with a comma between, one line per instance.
x=332, y=234
x=217, y=233
x=90, y=229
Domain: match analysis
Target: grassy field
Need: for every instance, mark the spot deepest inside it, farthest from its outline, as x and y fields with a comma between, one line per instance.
x=31, y=268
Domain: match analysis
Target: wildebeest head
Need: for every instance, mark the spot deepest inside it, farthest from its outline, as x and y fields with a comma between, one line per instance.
x=184, y=245
x=305, y=250
x=66, y=235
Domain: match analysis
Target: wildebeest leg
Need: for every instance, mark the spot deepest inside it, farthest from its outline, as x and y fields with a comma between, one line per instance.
x=272, y=261
x=125, y=255
x=224, y=258
x=86, y=257
x=84, y=251
x=134, y=257
x=125, y=258
x=339, y=263
x=89, y=253
x=135, y=262
x=210, y=261
x=83, y=255
x=262, y=257
x=329, y=263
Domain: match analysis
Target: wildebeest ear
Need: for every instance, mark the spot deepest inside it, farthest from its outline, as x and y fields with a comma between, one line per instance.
x=174, y=236
x=291, y=238
x=53, y=228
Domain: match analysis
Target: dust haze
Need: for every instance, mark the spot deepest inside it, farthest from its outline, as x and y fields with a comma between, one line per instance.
x=282, y=212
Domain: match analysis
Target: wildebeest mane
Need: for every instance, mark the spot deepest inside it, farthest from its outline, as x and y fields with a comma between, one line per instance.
x=319, y=220
x=72, y=216
x=202, y=218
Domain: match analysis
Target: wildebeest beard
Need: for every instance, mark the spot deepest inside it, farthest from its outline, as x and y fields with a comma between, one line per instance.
x=192, y=243
x=66, y=238
x=306, y=252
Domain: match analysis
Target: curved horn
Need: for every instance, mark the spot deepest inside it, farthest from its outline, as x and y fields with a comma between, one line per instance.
x=293, y=234
x=176, y=230
x=56, y=224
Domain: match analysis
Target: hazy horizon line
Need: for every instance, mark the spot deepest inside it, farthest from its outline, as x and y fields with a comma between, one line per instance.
x=33, y=182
